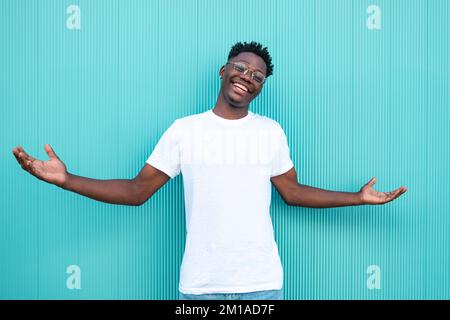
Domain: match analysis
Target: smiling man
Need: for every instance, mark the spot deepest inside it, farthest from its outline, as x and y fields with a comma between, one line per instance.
x=228, y=157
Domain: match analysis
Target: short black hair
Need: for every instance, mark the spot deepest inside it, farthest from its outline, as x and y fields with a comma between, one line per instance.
x=257, y=49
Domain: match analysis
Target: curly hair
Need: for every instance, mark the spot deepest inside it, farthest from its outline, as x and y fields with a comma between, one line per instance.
x=255, y=48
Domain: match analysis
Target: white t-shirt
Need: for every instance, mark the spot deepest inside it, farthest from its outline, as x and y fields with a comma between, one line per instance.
x=226, y=167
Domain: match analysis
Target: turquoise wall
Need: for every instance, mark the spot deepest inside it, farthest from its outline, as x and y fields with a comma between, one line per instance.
x=354, y=102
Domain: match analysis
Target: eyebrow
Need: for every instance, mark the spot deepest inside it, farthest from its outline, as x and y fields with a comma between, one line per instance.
x=251, y=65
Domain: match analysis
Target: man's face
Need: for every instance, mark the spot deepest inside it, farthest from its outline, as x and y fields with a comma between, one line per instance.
x=233, y=79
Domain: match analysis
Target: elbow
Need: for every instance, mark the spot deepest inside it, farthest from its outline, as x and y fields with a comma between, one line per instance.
x=287, y=200
x=294, y=196
x=290, y=203
x=138, y=202
x=137, y=195
x=294, y=199
x=141, y=200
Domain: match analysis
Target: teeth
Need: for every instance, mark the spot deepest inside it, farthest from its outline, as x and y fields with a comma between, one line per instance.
x=240, y=86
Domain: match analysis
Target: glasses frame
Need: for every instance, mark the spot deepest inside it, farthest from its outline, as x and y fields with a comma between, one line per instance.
x=248, y=70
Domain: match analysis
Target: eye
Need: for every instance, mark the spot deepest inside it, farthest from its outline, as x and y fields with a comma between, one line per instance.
x=259, y=77
x=240, y=67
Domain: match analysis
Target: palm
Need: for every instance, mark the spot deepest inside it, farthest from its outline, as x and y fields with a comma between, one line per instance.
x=371, y=196
x=52, y=171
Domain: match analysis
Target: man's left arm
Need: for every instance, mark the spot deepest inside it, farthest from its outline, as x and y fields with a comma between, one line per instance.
x=296, y=194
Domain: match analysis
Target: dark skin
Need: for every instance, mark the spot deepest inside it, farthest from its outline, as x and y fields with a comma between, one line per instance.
x=231, y=104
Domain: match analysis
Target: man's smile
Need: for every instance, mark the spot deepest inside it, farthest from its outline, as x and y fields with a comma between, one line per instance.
x=241, y=88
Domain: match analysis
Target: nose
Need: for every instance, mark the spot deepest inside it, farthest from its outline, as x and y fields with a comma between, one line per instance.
x=246, y=76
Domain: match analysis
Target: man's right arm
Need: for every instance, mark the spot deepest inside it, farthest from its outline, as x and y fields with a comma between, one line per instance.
x=131, y=192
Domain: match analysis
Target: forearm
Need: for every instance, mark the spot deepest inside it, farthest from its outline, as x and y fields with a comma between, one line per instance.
x=306, y=196
x=118, y=191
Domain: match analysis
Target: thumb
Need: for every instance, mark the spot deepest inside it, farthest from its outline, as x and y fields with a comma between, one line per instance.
x=50, y=152
x=371, y=182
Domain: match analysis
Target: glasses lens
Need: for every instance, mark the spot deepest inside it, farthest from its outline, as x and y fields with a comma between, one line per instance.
x=258, y=77
x=240, y=67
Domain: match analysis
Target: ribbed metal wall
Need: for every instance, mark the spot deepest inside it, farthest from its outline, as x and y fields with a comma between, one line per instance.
x=355, y=103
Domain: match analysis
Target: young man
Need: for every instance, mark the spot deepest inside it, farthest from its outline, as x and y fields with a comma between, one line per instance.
x=229, y=156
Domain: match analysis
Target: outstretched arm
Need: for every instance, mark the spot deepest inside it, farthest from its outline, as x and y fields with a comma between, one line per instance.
x=132, y=192
x=296, y=194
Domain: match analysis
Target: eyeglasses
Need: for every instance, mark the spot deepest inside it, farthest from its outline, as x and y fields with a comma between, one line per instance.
x=242, y=68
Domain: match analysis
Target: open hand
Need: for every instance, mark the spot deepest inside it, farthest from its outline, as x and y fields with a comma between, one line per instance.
x=371, y=196
x=52, y=171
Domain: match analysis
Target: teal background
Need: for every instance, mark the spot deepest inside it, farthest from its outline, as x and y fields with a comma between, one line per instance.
x=354, y=103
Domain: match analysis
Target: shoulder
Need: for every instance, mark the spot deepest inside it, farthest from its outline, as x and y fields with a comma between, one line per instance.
x=180, y=125
x=267, y=122
x=189, y=119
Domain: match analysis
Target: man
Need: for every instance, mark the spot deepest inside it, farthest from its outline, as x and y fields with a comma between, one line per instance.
x=229, y=156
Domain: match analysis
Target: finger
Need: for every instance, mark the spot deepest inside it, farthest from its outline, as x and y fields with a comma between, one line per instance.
x=394, y=194
x=16, y=154
x=26, y=161
x=23, y=165
x=21, y=157
x=33, y=171
x=25, y=155
x=21, y=150
x=23, y=162
x=50, y=152
x=18, y=158
x=402, y=191
x=371, y=182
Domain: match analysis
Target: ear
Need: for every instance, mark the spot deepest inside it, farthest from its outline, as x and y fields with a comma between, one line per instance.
x=222, y=71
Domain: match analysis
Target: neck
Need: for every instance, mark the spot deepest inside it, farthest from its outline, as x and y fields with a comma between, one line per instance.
x=226, y=110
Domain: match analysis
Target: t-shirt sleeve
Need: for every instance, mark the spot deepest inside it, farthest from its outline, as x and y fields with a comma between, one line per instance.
x=282, y=161
x=166, y=154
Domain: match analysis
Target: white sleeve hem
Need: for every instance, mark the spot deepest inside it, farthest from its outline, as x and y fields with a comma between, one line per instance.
x=171, y=173
x=283, y=170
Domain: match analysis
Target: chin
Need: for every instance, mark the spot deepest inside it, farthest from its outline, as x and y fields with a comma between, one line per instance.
x=237, y=103
x=238, y=106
